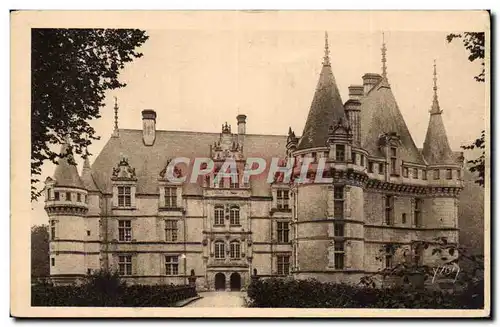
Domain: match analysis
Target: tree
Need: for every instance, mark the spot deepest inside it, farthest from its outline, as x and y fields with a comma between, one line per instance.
x=474, y=43
x=40, y=251
x=71, y=69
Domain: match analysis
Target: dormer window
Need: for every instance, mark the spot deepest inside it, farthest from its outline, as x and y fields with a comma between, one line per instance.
x=436, y=173
x=124, y=196
x=340, y=152
x=449, y=174
x=170, y=197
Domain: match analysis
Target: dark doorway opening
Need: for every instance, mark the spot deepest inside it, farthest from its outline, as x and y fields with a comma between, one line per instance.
x=235, y=282
x=220, y=282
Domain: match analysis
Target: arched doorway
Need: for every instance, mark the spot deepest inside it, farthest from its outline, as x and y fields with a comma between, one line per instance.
x=220, y=282
x=235, y=282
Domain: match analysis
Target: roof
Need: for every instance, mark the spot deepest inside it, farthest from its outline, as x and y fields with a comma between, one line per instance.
x=87, y=179
x=380, y=115
x=66, y=174
x=436, y=147
x=326, y=110
x=149, y=161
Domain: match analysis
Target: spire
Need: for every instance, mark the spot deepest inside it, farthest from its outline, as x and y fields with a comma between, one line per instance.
x=116, y=114
x=435, y=103
x=326, y=58
x=326, y=109
x=87, y=179
x=384, y=59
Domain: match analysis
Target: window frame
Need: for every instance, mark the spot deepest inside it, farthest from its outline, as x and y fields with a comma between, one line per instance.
x=436, y=174
x=124, y=198
x=339, y=255
x=283, y=265
x=52, y=230
x=219, y=249
x=282, y=199
x=125, y=265
x=283, y=231
x=171, y=230
x=234, y=216
x=338, y=201
x=449, y=174
x=340, y=152
x=170, y=197
x=337, y=227
x=219, y=215
x=126, y=236
x=417, y=212
x=389, y=210
x=171, y=265
x=235, y=250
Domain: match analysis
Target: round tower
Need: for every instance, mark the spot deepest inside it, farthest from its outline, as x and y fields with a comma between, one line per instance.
x=66, y=206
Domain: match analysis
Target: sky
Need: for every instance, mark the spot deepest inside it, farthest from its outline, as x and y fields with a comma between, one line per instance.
x=197, y=79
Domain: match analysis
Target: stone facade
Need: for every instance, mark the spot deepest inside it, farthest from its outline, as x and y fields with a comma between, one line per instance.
x=123, y=213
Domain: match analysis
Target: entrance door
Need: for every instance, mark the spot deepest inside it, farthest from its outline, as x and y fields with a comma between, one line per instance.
x=235, y=282
x=220, y=282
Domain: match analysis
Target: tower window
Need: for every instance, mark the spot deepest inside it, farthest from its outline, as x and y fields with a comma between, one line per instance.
x=338, y=229
x=125, y=265
x=459, y=174
x=124, y=196
x=389, y=209
x=340, y=152
x=405, y=172
x=339, y=255
x=283, y=265
x=282, y=197
x=403, y=218
x=394, y=160
x=361, y=160
x=52, y=262
x=234, y=215
x=171, y=265
x=235, y=250
x=370, y=167
x=338, y=199
x=219, y=215
x=220, y=250
x=68, y=196
x=415, y=173
x=78, y=197
x=56, y=196
x=283, y=231
x=424, y=175
x=381, y=168
x=418, y=212
x=170, y=230
x=88, y=232
x=449, y=174
x=124, y=230
x=436, y=173
x=52, y=230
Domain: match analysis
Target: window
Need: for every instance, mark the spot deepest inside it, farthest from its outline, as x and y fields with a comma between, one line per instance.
x=49, y=193
x=171, y=197
x=417, y=256
x=449, y=174
x=436, y=173
x=220, y=250
x=380, y=168
x=370, y=167
x=339, y=255
x=338, y=199
x=52, y=230
x=394, y=161
x=418, y=212
x=403, y=218
x=283, y=265
x=53, y=261
x=234, y=216
x=124, y=230
x=68, y=196
x=78, y=197
x=56, y=196
x=125, y=265
x=124, y=197
x=388, y=256
x=405, y=172
x=171, y=230
x=424, y=175
x=235, y=250
x=283, y=232
x=171, y=265
x=362, y=160
x=282, y=197
x=389, y=208
x=219, y=215
x=340, y=152
x=89, y=271
x=459, y=174
x=338, y=229
x=88, y=232
x=415, y=173
x=314, y=157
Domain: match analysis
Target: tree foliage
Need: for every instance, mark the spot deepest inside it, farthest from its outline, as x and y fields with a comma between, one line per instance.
x=474, y=43
x=40, y=251
x=71, y=70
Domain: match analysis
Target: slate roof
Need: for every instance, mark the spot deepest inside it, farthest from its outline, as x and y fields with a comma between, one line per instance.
x=326, y=110
x=380, y=114
x=66, y=174
x=149, y=161
x=436, y=147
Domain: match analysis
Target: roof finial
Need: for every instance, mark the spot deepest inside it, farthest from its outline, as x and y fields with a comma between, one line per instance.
x=435, y=103
x=116, y=114
x=326, y=58
x=384, y=60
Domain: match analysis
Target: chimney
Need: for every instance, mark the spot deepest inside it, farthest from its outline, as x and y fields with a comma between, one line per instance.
x=369, y=81
x=241, y=124
x=356, y=92
x=148, y=126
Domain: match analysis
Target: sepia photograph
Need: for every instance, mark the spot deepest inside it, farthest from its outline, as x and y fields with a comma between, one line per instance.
x=276, y=163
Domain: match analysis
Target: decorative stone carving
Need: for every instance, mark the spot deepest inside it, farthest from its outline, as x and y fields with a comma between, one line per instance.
x=123, y=171
x=177, y=171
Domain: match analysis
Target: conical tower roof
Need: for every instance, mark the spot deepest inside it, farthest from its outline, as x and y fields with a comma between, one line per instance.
x=436, y=147
x=66, y=174
x=326, y=110
x=87, y=179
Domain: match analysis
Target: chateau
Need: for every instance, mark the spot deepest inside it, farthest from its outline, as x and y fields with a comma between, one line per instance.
x=379, y=189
